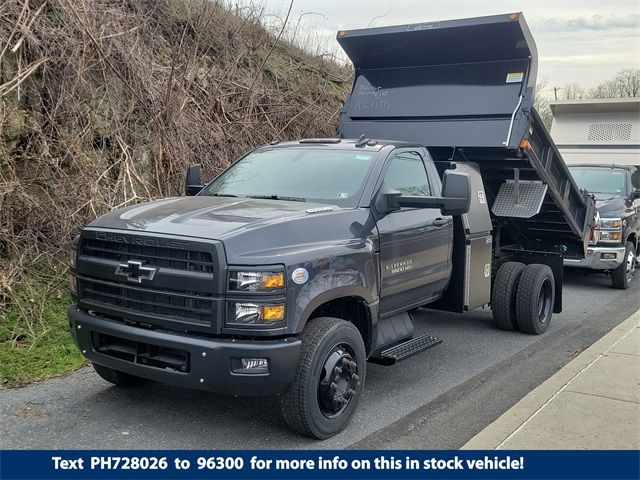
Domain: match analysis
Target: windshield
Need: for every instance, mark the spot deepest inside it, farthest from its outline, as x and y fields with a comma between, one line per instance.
x=329, y=176
x=602, y=182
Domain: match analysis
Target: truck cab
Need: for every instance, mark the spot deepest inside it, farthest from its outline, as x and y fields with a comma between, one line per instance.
x=600, y=141
x=229, y=289
x=613, y=246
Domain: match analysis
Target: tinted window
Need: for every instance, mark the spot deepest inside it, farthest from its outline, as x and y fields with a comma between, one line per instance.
x=406, y=173
x=314, y=174
x=602, y=182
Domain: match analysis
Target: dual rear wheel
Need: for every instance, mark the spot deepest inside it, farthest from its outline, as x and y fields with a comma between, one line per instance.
x=523, y=297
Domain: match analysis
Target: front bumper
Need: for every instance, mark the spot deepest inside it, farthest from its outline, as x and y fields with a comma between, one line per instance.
x=209, y=359
x=614, y=257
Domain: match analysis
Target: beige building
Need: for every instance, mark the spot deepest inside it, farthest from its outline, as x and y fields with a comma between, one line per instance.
x=597, y=130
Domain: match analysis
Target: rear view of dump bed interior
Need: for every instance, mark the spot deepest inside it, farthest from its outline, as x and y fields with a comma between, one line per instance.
x=465, y=89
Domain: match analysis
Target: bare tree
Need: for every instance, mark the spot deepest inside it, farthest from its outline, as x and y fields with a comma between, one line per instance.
x=541, y=102
x=572, y=91
x=625, y=84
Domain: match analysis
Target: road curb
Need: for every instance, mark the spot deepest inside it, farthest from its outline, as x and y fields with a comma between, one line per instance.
x=500, y=430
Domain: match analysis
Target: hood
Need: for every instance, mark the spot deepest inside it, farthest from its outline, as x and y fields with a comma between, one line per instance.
x=204, y=216
x=611, y=207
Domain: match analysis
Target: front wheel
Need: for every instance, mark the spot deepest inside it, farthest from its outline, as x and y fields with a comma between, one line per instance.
x=621, y=276
x=329, y=379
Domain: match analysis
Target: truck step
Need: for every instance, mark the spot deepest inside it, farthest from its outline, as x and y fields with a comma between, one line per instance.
x=404, y=350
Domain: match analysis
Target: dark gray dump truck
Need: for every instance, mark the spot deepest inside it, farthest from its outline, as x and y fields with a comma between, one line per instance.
x=304, y=260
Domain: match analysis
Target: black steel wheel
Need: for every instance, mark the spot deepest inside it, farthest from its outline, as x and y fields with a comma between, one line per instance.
x=535, y=298
x=329, y=379
x=338, y=381
x=120, y=379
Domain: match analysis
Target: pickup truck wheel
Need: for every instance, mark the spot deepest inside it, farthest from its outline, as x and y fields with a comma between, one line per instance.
x=535, y=298
x=621, y=276
x=503, y=295
x=328, y=381
x=118, y=378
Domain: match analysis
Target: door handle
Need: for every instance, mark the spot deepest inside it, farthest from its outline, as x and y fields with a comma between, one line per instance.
x=440, y=222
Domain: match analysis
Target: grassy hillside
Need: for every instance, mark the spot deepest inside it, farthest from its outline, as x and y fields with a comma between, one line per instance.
x=105, y=103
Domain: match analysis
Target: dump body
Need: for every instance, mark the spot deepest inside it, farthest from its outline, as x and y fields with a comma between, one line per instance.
x=465, y=90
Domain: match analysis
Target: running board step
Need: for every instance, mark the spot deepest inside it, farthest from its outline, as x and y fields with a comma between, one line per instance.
x=404, y=350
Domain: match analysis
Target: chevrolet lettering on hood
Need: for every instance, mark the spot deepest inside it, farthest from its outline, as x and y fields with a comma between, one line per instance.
x=142, y=241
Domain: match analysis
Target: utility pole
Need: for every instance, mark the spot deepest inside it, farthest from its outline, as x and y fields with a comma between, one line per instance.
x=555, y=92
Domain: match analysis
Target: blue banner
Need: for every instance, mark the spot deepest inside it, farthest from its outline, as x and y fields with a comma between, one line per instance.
x=320, y=464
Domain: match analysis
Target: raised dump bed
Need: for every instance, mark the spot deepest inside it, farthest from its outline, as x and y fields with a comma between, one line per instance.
x=465, y=89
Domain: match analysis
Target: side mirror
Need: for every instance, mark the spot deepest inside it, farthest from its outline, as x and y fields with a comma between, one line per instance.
x=455, y=199
x=193, y=183
x=456, y=191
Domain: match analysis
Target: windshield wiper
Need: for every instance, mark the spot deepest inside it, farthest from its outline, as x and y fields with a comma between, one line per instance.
x=278, y=197
x=224, y=195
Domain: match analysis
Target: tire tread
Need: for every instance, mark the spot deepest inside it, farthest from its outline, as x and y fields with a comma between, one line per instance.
x=503, y=297
x=294, y=403
x=527, y=298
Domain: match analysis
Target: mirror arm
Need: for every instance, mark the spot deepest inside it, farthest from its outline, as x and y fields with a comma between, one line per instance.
x=432, y=202
x=420, y=202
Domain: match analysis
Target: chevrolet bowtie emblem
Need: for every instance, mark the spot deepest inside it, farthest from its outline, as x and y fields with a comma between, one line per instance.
x=135, y=271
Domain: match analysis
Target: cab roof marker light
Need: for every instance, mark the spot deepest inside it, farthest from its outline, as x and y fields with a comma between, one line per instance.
x=320, y=140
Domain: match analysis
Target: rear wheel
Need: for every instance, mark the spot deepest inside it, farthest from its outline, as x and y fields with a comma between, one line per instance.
x=621, y=276
x=503, y=295
x=328, y=381
x=535, y=298
x=118, y=378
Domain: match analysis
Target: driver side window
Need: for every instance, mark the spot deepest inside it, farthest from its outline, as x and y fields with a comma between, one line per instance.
x=406, y=173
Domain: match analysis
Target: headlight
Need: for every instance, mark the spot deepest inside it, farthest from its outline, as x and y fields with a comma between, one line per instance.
x=254, y=314
x=610, y=230
x=610, y=223
x=256, y=281
x=610, y=236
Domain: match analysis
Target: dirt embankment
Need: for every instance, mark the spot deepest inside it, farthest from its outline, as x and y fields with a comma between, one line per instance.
x=104, y=103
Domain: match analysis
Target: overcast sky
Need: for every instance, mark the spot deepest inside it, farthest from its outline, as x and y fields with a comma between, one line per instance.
x=583, y=41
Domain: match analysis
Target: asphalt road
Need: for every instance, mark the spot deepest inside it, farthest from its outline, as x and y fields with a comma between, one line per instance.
x=437, y=399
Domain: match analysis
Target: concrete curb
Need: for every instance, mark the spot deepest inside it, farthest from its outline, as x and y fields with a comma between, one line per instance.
x=497, y=433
